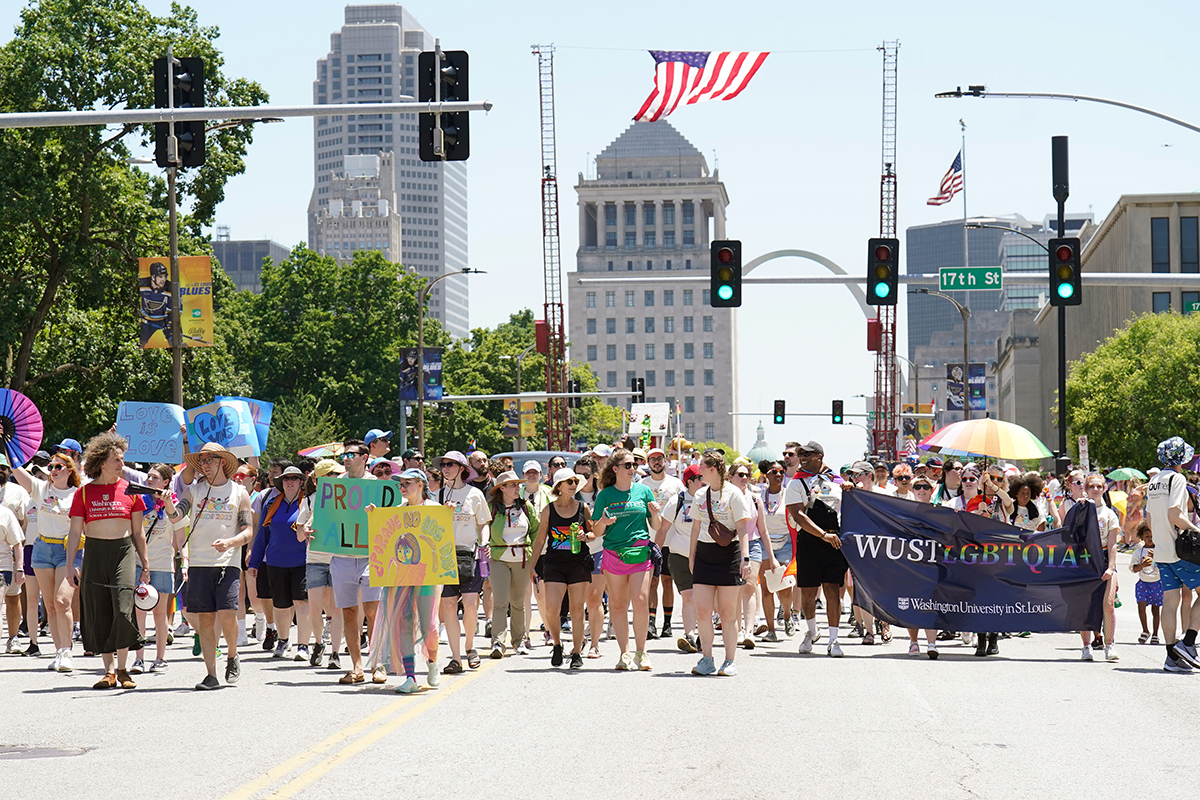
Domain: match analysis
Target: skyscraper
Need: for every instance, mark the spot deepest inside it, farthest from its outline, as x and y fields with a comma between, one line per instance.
x=373, y=59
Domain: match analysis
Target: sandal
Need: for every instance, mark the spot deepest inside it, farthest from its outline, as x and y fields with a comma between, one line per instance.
x=1154, y=639
x=868, y=638
x=473, y=659
x=593, y=652
x=1145, y=637
x=352, y=677
x=379, y=675
x=885, y=632
x=453, y=668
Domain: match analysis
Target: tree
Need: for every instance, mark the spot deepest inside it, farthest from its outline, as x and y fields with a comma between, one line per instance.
x=1137, y=389
x=76, y=215
x=299, y=422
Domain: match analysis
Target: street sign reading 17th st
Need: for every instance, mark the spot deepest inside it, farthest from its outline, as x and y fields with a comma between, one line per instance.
x=966, y=279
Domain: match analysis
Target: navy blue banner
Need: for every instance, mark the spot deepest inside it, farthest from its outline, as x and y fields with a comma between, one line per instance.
x=917, y=565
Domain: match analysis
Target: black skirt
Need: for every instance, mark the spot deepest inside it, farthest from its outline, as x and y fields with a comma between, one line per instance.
x=108, y=578
x=718, y=566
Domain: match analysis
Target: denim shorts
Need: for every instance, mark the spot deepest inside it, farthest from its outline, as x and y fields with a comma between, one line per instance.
x=316, y=576
x=756, y=550
x=48, y=556
x=163, y=581
x=784, y=554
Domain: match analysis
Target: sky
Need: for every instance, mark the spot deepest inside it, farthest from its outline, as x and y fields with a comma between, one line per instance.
x=799, y=150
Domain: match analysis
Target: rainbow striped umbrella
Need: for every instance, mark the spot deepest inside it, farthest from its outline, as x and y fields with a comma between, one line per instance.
x=322, y=450
x=986, y=437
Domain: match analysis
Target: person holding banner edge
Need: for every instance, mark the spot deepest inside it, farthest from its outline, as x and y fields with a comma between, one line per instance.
x=813, y=503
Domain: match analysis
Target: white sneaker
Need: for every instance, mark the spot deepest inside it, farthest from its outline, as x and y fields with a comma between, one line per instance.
x=967, y=638
x=1110, y=653
x=433, y=677
x=325, y=633
x=64, y=662
x=806, y=646
x=53, y=665
x=12, y=646
x=834, y=650
x=243, y=639
x=301, y=653
x=281, y=649
x=260, y=626
x=183, y=630
x=1086, y=653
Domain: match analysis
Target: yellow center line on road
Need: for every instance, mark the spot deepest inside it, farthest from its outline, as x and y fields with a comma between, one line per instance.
x=306, y=778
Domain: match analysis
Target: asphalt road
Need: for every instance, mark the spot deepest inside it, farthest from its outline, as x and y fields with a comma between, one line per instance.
x=1032, y=722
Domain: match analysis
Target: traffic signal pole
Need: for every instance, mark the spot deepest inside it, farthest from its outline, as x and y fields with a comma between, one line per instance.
x=173, y=228
x=1060, y=186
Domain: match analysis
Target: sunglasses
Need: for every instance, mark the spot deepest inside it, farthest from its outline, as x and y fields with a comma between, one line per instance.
x=416, y=458
x=627, y=465
x=348, y=456
x=1077, y=483
x=449, y=464
x=922, y=487
x=405, y=484
x=571, y=481
x=382, y=471
x=774, y=472
x=57, y=467
x=292, y=478
x=1096, y=486
x=968, y=480
x=204, y=462
x=584, y=475
x=954, y=469
x=741, y=474
x=903, y=479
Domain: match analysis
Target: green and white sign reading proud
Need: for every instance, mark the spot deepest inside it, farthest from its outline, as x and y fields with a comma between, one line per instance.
x=966, y=279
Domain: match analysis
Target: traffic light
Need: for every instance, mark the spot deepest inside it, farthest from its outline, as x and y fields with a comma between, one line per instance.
x=725, y=256
x=836, y=415
x=573, y=386
x=455, y=134
x=1064, y=272
x=883, y=269
x=638, y=385
x=779, y=412
x=188, y=93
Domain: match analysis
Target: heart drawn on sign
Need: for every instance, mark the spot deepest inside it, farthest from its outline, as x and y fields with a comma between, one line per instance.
x=221, y=427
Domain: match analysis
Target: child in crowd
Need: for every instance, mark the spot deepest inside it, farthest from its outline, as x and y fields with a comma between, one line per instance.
x=1149, y=591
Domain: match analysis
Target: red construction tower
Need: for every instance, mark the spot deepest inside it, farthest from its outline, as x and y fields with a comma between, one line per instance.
x=886, y=428
x=558, y=425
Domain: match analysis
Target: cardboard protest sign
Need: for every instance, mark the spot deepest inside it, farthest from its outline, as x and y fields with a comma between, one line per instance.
x=228, y=423
x=412, y=546
x=152, y=430
x=340, y=513
x=260, y=413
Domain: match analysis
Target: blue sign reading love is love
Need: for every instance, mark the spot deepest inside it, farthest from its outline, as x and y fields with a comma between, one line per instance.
x=225, y=422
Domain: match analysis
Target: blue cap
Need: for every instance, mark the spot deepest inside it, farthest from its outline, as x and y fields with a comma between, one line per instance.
x=375, y=433
x=67, y=444
x=414, y=473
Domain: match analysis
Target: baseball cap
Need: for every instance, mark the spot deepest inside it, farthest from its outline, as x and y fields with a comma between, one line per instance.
x=861, y=466
x=374, y=434
x=602, y=450
x=531, y=464
x=813, y=447
x=67, y=444
x=656, y=451
x=692, y=471
x=412, y=452
x=933, y=461
x=327, y=466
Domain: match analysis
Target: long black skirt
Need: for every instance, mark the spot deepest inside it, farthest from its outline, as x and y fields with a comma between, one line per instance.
x=106, y=596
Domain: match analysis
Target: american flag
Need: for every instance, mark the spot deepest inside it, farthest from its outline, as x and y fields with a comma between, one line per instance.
x=952, y=183
x=691, y=76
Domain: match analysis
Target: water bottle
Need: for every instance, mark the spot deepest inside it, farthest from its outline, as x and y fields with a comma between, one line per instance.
x=575, y=538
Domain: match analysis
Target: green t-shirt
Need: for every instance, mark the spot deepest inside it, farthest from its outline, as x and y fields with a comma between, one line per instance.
x=632, y=512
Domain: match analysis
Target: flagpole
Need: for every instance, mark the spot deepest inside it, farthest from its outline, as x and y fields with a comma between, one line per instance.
x=966, y=263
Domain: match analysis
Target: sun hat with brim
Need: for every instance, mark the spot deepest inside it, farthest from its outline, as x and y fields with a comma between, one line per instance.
x=602, y=450
x=503, y=478
x=1174, y=452
x=565, y=474
x=230, y=464
x=290, y=472
x=327, y=466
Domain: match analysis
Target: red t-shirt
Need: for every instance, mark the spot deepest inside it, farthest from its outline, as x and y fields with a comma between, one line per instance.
x=105, y=501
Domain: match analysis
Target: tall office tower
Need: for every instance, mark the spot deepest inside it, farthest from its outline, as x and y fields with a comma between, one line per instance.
x=373, y=59
x=651, y=212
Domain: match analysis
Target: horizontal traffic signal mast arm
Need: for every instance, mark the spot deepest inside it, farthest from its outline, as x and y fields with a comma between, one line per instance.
x=1174, y=279
x=60, y=119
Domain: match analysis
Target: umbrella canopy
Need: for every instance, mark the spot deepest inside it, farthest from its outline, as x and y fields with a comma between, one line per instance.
x=322, y=450
x=1126, y=474
x=1119, y=500
x=986, y=437
x=20, y=426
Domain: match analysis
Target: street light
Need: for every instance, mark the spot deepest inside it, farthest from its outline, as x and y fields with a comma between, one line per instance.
x=421, y=297
x=1017, y=231
x=966, y=316
x=520, y=443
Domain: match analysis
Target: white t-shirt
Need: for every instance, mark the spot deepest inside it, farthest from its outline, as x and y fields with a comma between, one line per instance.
x=777, y=527
x=679, y=535
x=819, y=488
x=1110, y=526
x=663, y=490
x=52, y=507
x=1149, y=573
x=1167, y=489
x=16, y=500
x=516, y=531
x=160, y=551
x=730, y=507
x=470, y=514
x=213, y=519
x=10, y=536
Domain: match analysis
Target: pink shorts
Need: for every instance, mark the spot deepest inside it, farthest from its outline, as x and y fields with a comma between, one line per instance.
x=611, y=563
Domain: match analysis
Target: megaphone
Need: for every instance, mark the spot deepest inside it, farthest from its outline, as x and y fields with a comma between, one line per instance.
x=145, y=597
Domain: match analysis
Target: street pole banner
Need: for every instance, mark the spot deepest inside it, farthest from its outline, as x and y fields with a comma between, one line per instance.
x=917, y=565
x=226, y=422
x=153, y=431
x=195, y=293
x=512, y=419
x=339, y=521
x=412, y=546
x=410, y=374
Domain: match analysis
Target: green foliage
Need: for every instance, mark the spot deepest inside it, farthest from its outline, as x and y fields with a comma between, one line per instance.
x=1136, y=389
x=731, y=455
x=299, y=422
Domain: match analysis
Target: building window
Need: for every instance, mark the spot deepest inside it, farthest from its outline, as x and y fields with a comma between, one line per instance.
x=689, y=377
x=631, y=352
x=1160, y=246
x=689, y=324
x=629, y=325
x=708, y=404
x=1162, y=301
x=669, y=213
x=610, y=299
x=689, y=430
x=649, y=352
x=648, y=211
x=668, y=294
x=610, y=242
x=649, y=324
x=591, y=352
x=649, y=240
x=668, y=239
x=689, y=405
x=610, y=264
x=669, y=351
x=630, y=240
x=629, y=266
x=689, y=239
x=669, y=377
x=710, y=431
x=708, y=378
x=591, y=327
x=610, y=352
x=1189, y=244
x=591, y=299
x=708, y=349
x=610, y=325
x=629, y=299
x=1189, y=302
x=649, y=298
x=629, y=376
x=630, y=214
x=687, y=297
x=610, y=215
x=705, y=297
x=708, y=324
x=689, y=350
x=650, y=377
x=611, y=379
x=689, y=214
x=668, y=324
x=668, y=263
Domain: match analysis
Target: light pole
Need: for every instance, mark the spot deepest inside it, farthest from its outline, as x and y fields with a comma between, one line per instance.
x=421, y=298
x=966, y=316
x=520, y=443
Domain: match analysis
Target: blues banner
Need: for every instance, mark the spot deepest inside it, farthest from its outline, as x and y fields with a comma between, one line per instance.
x=917, y=565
